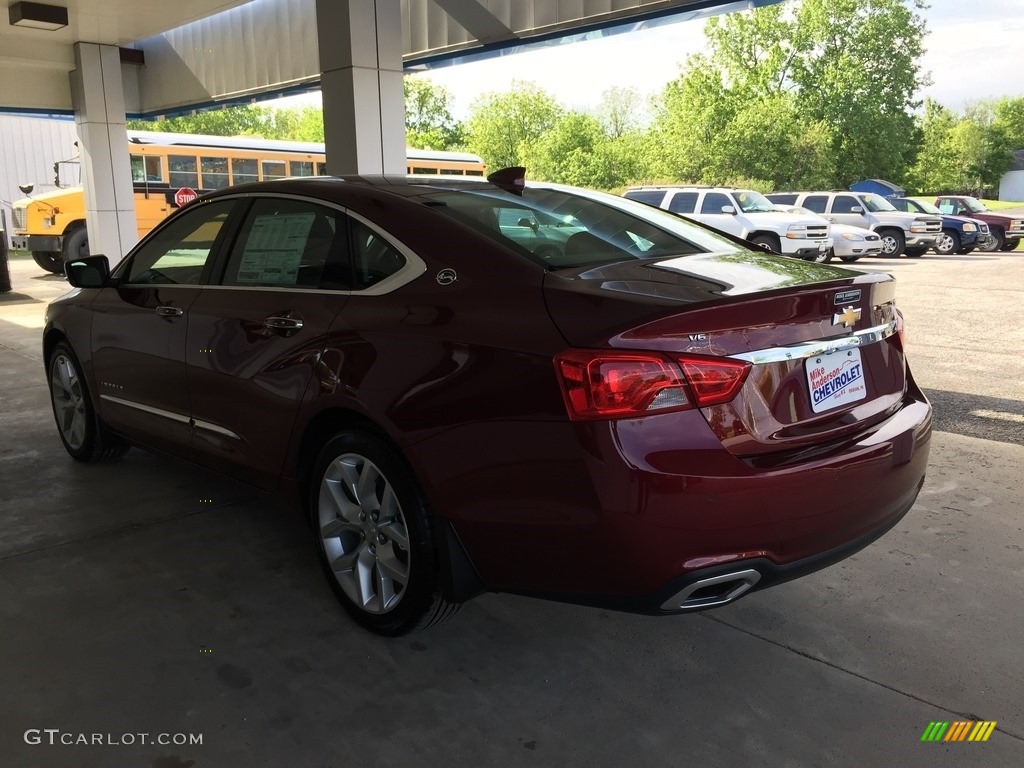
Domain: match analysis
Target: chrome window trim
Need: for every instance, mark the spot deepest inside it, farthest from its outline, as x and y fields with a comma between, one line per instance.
x=819, y=347
x=148, y=409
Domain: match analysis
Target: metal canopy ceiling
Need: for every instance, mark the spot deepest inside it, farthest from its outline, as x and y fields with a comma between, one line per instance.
x=200, y=52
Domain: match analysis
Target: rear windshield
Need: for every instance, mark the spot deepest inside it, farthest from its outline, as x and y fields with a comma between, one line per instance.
x=561, y=229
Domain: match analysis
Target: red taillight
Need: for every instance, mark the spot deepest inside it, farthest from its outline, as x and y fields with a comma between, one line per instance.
x=605, y=384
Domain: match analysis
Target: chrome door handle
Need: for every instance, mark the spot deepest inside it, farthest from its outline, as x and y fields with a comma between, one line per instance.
x=170, y=311
x=282, y=323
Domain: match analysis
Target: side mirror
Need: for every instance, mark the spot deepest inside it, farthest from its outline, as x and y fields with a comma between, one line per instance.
x=856, y=209
x=90, y=272
x=728, y=209
x=26, y=189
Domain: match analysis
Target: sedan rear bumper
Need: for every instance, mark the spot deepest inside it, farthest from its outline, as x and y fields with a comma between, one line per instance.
x=644, y=508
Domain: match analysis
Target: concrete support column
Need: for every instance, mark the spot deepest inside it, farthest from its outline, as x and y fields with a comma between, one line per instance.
x=361, y=66
x=98, y=98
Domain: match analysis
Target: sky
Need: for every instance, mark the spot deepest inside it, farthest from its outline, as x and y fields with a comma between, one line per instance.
x=975, y=50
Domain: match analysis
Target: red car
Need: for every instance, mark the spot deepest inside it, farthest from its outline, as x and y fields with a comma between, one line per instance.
x=633, y=412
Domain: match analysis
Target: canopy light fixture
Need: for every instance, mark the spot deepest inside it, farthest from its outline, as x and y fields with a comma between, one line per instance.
x=38, y=16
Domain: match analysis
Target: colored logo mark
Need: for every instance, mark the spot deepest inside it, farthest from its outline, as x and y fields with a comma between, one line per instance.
x=959, y=730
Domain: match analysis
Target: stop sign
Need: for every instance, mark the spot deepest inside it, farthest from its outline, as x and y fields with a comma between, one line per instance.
x=184, y=196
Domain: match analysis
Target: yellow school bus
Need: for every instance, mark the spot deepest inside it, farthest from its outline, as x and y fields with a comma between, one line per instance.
x=170, y=168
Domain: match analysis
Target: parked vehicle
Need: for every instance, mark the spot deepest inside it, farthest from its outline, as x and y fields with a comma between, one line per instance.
x=743, y=213
x=1006, y=231
x=654, y=418
x=959, y=233
x=912, y=234
x=849, y=244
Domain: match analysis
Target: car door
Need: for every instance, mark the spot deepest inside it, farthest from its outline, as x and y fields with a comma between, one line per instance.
x=711, y=213
x=139, y=327
x=256, y=333
x=847, y=209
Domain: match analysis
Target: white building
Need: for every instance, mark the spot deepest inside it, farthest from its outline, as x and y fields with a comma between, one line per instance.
x=1011, y=186
x=29, y=146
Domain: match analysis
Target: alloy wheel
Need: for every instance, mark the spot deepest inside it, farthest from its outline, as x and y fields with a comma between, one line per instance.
x=68, y=401
x=364, y=533
x=945, y=244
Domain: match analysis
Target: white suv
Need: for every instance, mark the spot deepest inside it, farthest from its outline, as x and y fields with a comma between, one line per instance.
x=909, y=233
x=743, y=213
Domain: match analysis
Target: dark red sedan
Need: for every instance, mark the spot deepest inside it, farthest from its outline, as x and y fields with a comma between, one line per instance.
x=483, y=386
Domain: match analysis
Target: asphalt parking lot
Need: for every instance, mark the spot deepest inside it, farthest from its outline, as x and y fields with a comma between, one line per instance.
x=146, y=596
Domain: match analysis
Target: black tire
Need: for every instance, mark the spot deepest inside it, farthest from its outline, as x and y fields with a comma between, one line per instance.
x=849, y=259
x=915, y=253
x=85, y=437
x=349, y=527
x=893, y=242
x=51, y=261
x=997, y=242
x=76, y=244
x=823, y=257
x=949, y=243
x=1009, y=245
x=771, y=242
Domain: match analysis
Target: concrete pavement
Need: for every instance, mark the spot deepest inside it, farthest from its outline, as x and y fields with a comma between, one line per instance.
x=129, y=605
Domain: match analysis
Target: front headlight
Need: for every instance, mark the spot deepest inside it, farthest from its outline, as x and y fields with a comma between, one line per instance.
x=852, y=236
x=918, y=227
x=968, y=227
x=797, y=227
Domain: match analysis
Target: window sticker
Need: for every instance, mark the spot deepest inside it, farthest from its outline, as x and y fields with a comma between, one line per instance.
x=274, y=248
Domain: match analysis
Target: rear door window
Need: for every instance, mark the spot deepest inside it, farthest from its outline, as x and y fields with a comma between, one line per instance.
x=816, y=203
x=683, y=202
x=287, y=243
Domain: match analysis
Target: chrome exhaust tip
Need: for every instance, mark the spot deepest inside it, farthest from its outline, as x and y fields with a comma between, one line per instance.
x=712, y=591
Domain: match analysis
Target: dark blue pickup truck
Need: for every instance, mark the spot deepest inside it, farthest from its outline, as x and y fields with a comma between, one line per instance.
x=959, y=233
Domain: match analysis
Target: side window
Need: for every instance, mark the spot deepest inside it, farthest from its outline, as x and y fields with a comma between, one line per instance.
x=816, y=203
x=714, y=201
x=373, y=257
x=243, y=171
x=903, y=205
x=846, y=204
x=215, y=172
x=321, y=169
x=683, y=202
x=289, y=244
x=177, y=254
x=273, y=169
x=783, y=199
x=300, y=168
x=649, y=196
x=947, y=206
x=184, y=171
x=147, y=168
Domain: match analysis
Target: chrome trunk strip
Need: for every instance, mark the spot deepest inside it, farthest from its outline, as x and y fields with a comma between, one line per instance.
x=819, y=347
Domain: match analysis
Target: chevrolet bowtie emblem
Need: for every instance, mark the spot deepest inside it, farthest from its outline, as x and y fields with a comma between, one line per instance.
x=849, y=316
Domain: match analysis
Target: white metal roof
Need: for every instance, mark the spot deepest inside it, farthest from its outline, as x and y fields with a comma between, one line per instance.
x=200, y=52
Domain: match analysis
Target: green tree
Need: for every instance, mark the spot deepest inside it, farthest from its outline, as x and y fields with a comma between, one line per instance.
x=428, y=116
x=619, y=111
x=502, y=125
x=240, y=120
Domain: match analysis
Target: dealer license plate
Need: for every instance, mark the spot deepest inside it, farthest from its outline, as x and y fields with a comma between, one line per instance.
x=835, y=379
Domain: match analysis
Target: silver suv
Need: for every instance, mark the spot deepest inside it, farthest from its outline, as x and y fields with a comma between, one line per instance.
x=901, y=232
x=744, y=213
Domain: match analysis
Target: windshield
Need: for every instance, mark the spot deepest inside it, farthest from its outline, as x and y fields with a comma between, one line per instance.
x=876, y=203
x=927, y=207
x=580, y=227
x=753, y=202
x=974, y=205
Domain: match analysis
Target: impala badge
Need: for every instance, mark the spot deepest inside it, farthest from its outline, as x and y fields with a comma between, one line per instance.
x=849, y=316
x=446, y=277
